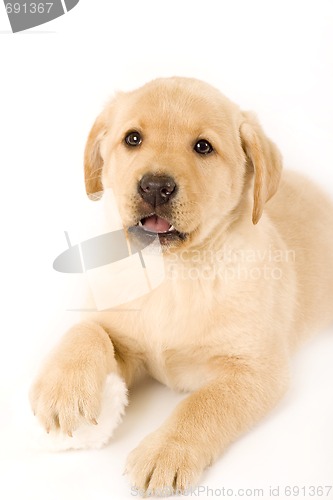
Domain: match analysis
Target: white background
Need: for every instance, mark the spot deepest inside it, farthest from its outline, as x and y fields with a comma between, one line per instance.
x=269, y=56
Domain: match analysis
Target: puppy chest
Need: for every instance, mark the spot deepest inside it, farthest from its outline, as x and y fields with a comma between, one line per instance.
x=179, y=369
x=176, y=329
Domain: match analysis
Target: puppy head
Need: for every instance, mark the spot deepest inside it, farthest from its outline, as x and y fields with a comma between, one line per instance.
x=178, y=156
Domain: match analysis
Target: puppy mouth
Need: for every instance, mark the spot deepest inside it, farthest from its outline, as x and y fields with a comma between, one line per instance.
x=153, y=225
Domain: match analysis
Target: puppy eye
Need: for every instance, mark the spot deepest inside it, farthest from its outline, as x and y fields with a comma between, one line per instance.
x=133, y=139
x=203, y=147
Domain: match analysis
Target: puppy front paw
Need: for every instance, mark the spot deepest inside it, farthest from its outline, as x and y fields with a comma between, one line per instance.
x=65, y=396
x=86, y=436
x=162, y=465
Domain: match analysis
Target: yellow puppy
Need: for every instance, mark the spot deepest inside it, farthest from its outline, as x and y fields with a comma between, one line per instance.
x=249, y=272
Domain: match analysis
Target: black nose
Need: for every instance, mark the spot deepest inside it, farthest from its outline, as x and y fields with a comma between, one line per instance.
x=157, y=189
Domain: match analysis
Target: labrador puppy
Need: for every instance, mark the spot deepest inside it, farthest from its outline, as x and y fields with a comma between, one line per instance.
x=248, y=255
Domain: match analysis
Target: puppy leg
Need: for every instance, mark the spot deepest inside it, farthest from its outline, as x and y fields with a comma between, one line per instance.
x=69, y=387
x=172, y=458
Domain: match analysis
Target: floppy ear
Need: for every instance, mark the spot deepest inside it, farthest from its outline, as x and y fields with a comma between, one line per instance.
x=93, y=161
x=264, y=159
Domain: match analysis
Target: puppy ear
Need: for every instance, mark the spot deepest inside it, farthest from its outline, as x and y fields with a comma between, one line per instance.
x=264, y=159
x=93, y=161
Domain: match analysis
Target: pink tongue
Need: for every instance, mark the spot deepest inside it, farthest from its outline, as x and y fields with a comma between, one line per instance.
x=156, y=224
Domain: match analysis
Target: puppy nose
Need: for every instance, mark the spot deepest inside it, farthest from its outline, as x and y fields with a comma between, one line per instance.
x=157, y=189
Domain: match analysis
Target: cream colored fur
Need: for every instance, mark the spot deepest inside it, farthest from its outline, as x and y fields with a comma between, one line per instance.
x=252, y=279
x=86, y=436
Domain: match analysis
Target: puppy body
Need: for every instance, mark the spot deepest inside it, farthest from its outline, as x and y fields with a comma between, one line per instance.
x=252, y=276
x=303, y=215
